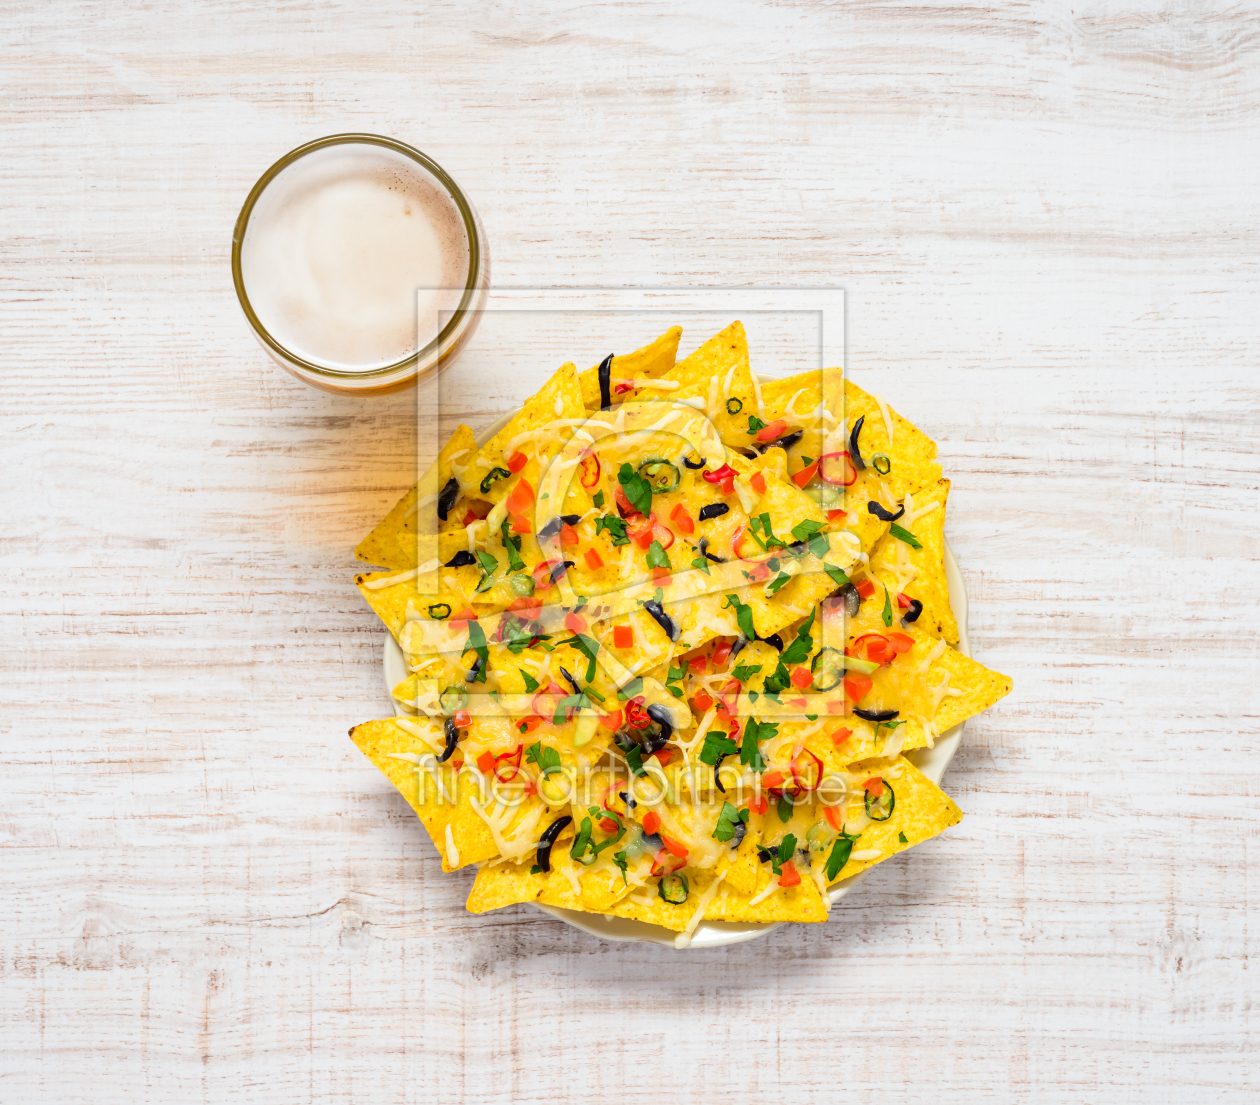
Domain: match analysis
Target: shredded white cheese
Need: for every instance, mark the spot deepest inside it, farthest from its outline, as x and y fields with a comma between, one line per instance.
x=683, y=939
x=452, y=853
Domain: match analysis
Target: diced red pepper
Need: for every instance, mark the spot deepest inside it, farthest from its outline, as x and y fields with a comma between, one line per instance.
x=856, y=686
x=802, y=478
x=574, y=622
x=759, y=804
x=664, y=756
x=723, y=477
x=568, y=537
x=674, y=847
x=740, y=534
x=623, y=504
x=865, y=588
x=485, y=763
x=901, y=643
x=837, y=516
x=790, y=876
x=623, y=636
x=529, y=724
x=838, y=706
x=462, y=719
x=773, y=431
x=772, y=780
x=464, y=616
x=621, y=389
x=840, y=736
x=834, y=817
x=874, y=786
x=593, y=560
x=722, y=652
x=526, y=603
x=651, y=822
x=698, y=664
x=520, y=497
x=661, y=574
x=758, y=483
x=702, y=700
x=469, y=519
x=611, y=720
x=802, y=677
x=904, y=600
x=517, y=461
x=682, y=519
x=521, y=524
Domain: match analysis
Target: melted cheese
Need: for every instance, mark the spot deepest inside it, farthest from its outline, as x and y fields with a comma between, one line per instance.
x=452, y=853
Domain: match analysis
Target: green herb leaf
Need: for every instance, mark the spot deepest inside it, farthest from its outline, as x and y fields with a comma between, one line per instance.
x=531, y=684
x=619, y=858
x=776, y=585
x=546, y=757
x=903, y=534
x=800, y=648
x=787, y=848
x=744, y=672
x=657, y=557
x=754, y=424
x=784, y=809
x=717, y=746
x=638, y=491
x=588, y=647
x=726, y=822
x=743, y=615
x=535, y=870
x=803, y=531
x=615, y=526
x=513, y=547
x=630, y=689
x=582, y=839
x=839, y=856
x=675, y=674
x=754, y=732
x=477, y=643
x=598, y=499
x=702, y=563
x=837, y=576
x=779, y=680
x=887, y=614
x=902, y=837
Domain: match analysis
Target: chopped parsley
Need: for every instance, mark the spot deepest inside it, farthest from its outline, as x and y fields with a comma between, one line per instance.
x=657, y=557
x=903, y=534
x=531, y=684
x=743, y=615
x=615, y=526
x=727, y=821
x=546, y=757
x=637, y=490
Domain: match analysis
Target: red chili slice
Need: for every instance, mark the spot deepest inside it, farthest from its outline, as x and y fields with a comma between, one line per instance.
x=875, y=647
x=637, y=716
x=621, y=389
x=837, y=469
x=724, y=477
x=676, y=847
x=508, y=764
x=589, y=470
x=807, y=772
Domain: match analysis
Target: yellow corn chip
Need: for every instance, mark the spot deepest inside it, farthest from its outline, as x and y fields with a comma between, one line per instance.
x=648, y=363
x=504, y=884
x=392, y=544
x=920, y=573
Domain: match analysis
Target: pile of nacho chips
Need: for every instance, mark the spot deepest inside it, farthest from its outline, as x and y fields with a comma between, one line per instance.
x=670, y=633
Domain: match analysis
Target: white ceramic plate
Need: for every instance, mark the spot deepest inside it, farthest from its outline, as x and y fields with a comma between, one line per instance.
x=715, y=934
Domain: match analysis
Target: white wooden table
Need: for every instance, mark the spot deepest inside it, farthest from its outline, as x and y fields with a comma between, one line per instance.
x=1045, y=217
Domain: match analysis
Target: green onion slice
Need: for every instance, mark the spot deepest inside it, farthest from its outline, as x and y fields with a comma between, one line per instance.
x=828, y=669
x=881, y=808
x=522, y=584
x=661, y=475
x=493, y=476
x=738, y=406
x=453, y=699
x=440, y=610
x=881, y=463
x=673, y=889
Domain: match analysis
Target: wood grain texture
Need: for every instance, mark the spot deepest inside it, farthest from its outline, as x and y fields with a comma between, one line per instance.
x=1044, y=217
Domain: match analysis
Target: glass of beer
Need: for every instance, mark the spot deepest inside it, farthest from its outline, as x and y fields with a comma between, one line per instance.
x=360, y=264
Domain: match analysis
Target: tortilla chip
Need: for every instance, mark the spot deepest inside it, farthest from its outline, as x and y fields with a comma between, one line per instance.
x=929, y=585
x=803, y=903
x=392, y=544
x=648, y=363
x=559, y=398
x=981, y=688
x=504, y=884
x=921, y=811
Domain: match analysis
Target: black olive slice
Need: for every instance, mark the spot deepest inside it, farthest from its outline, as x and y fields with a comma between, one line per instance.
x=552, y=528
x=452, y=739
x=875, y=715
x=661, y=618
x=688, y=464
x=548, y=839
x=571, y=681
x=912, y=615
x=854, y=455
x=882, y=514
x=461, y=559
x=713, y=510
x=774, y=641
x=446, y=500
x=605, y=388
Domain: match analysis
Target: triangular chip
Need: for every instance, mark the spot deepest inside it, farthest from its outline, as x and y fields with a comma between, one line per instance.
x=648, y=363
